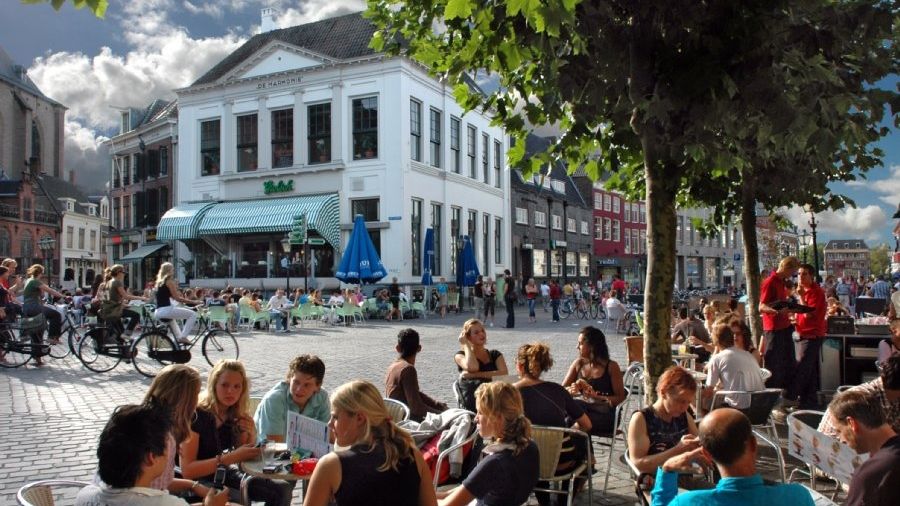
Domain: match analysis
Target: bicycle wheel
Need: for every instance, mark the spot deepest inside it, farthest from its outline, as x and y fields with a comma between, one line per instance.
x=147, y=349
x=16, y=348
x=60, y=349
x=219, y=344
x=565, y=310
x=593, y=310
x=95, y=354
x=581, y=312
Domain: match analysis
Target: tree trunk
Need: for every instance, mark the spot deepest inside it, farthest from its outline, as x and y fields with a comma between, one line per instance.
x=751, y=255
x=662, y=185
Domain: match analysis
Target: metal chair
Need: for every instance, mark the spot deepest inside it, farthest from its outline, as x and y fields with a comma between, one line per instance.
x=633, y=380
x=549, y=441
x=399, y=411
x=40, y=493
x=218, y=314
x=458, y=447
x=418, y=308
x=251, y=408
x=762, y=402
x=811, y=418
x=250, y=317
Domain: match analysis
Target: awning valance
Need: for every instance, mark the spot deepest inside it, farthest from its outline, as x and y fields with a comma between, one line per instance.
x=181, y=222
x=142, y=252
x=275, y=215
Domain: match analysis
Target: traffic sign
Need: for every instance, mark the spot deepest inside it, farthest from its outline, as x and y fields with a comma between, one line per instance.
x=316, y=241
x=298, y=230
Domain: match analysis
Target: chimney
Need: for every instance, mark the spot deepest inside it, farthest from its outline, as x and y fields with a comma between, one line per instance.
x=72, y=176
x=268, y=20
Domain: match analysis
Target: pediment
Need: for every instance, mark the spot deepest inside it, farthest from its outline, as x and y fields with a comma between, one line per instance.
x=274, y=58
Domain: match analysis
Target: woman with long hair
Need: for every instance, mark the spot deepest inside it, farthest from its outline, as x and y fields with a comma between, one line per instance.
x=596, y=380
x=381, y=465
x=176, y=389
x=223, y=434
x=33, y=305
x=166, y=290
x=511, y=468
x=476, y=363
x=531, y=293
x=117, y=294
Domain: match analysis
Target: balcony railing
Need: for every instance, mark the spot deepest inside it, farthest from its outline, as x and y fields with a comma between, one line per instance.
x=9, y=211
x=45, y=216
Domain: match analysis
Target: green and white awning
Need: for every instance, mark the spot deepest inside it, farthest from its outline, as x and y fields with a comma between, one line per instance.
x=181, y=222
x=275, y=215
x=142, y=252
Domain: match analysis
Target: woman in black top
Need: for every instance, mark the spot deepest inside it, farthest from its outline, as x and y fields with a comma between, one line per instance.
x=166, y=290
x=476, y=363
x=382, y=465
x=223, y=434
x=596, y=380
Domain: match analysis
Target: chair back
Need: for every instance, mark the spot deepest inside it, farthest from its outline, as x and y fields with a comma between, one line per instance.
x=399, y=411
x=615, y=312
x=762, y=402
x=251, y=407
x=40, y=493
x=639, y=319
x=634, y=349
x=549, y=443
x=633, y=378
x=217, y=314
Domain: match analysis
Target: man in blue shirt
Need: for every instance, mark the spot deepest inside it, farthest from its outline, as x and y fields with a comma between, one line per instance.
x=726, y=438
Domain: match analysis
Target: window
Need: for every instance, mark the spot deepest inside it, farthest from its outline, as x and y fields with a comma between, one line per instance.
x=435, y=137
x=539, y=265
x=607, y=229
x=318, y=132
x=209, y=148
x=521, y=216
x=585, y=228
x=598, y=201
x=485, y=241
x=282, y=138
x=485, y=150
x=247, y=148
x=498, y=158
x=689, y=232
x=70, y=236
x=116, y=217
x=455, y=244
x=126, y=211
x=643, y=213
x=498, y=235
x=368, y=208
x=615, y=231
x=416, y=237
x=126, y=123
x=415, y=130
x=606, y=199
x=558, y=186
x=615, y=204
x=540, y=219
x=598, y=228
x=642, y=242
x=163, y=161
x=571, y=263
x=571, y=225
x=471, y=140
x=679, y=231
x=93, y=243
x=635, y=242
x=556, y=222
x=80, y=238
x=163, y=199
x=437, y=212
x=627, y=212
x=473, y=227
x=627, y=241
x=5, y=243
x=126, y=170
x=365, y=128
x=454, y=144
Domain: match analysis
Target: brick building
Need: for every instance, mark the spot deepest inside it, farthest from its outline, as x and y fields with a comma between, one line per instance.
x=847, y=257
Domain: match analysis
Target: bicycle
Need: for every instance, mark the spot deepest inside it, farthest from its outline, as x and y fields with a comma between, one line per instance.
x=566, y=308
x=24, y=339
x=156, y=348
x=102, y=347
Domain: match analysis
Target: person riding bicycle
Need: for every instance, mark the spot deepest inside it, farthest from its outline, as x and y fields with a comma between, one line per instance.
x=118, y=295
x=166, y=290
x=33, y=294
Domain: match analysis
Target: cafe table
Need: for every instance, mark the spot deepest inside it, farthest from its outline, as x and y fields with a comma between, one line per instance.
x=818, y=498
x=253, y=469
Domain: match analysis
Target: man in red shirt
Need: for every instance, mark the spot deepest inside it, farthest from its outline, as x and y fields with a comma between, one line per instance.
x=555, y=294
x=812, y=329
x=618, y=286
x=779, y=357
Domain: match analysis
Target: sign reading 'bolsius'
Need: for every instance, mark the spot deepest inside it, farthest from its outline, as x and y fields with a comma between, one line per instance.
x=278, y=82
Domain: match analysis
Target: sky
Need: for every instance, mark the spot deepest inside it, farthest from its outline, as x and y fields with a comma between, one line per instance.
x=144, y=49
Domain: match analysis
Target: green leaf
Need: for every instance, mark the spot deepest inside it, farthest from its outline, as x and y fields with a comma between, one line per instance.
x=458, y=9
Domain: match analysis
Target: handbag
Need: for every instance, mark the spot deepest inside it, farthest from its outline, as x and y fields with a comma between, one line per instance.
x=110, y=310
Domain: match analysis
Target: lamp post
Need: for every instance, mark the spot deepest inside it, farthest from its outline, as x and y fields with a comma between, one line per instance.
x=815, y=247
x=286, y=247
x=46, y=244
x=803, y=243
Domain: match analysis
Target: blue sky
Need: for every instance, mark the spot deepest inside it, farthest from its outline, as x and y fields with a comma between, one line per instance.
x=146, y=48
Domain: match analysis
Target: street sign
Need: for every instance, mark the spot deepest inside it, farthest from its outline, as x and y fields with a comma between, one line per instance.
x=316, y=241
x=298, y=230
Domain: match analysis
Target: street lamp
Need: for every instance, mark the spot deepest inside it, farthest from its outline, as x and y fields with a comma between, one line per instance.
x=815, y=247
x=286, y=247
x=46, y=244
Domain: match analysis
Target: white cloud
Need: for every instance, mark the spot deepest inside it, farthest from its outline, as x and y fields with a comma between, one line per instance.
x=888, y=188
x=86, y=156
x=314, y=10
x=862, y=222
x=210, y=9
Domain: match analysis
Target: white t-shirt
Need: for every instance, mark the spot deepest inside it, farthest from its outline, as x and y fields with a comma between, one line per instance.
x=94, y=495
x=737, y=369
x=545, y=290
x=277, y=302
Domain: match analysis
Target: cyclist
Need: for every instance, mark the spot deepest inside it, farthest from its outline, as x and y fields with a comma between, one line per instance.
x=34, y=305
x=116, y=292
x=166, y=290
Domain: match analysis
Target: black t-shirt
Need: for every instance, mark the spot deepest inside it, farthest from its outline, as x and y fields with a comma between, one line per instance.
x=504, y=479
x=479, y=289
x=212, y=441
x=394, y=290
x=362, y=483
x=550, y=404
x=877, y=481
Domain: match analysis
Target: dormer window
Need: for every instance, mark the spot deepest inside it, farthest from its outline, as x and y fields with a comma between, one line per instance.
x=126, y=123
x=558, y=186
x=70, y=206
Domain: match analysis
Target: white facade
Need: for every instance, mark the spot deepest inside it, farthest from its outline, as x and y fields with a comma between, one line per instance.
x=80, y=238
x=279, y=77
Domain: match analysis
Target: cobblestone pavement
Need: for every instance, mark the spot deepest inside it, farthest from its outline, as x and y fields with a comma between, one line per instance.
x=51, y=416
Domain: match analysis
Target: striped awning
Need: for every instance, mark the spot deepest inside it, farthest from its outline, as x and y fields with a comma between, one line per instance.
x=142, y=252
x=275, y=215
x=181, y=222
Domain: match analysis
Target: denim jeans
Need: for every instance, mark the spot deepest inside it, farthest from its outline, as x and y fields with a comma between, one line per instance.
x=531, y=303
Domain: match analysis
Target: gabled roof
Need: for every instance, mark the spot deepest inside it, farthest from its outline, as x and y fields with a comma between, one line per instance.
x=533, y=145
x=158, y=109
x=839, y=244
x=15, y=76
x=342, y=38
x=60, y=188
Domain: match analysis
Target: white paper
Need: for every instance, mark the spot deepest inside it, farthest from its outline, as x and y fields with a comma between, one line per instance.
x=307, y=433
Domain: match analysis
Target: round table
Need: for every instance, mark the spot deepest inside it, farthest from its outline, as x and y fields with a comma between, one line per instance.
x=254, y=469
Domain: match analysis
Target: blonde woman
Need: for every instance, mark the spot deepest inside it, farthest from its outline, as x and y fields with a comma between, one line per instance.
x=222, y=423
x=382, y=465
x=531, y=293
x=166, y=290
x=175, y=390
x=511, y=468
x=33, y=294
x=476, y=363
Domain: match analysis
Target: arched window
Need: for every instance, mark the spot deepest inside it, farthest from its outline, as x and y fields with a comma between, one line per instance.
x=35, y=141
x=27, y=249
x=5, y=243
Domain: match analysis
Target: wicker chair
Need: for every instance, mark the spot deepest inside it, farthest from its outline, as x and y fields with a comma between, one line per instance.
x=40, y=493
x=399, y=411
x=549, y=441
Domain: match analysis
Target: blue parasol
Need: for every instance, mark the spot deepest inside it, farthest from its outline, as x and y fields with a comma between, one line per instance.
x=360, y=262
x=466, y=268
x=428, y=258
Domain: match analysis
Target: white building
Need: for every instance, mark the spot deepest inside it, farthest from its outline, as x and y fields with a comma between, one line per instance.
x=310, y=120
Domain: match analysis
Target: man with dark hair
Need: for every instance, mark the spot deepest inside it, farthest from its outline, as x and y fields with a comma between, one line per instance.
x=726, y=438
x=402, y=381
x=885, y=388
x=732, y=368
x=301, y=392
x=132, y=453
x=509, y=297
x=860, y=423
x=688, y=327
x=812, y=329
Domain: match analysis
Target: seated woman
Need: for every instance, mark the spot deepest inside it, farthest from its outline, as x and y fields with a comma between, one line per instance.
x=301, y=392
x=222, y=434
x=835, y=308
x=381, y=466
x=663, y=429
x=383, y=301
x=476, y=364
x=402, y=380
x=512, y=466
x=254, y=302
x=548, y=403
x=743, y=338
x=596, y=379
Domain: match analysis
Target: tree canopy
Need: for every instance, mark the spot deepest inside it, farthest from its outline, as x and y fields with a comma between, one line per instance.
x=98, y=7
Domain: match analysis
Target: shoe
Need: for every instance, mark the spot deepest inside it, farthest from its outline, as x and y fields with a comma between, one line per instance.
x=184, y=340
x=54, y=342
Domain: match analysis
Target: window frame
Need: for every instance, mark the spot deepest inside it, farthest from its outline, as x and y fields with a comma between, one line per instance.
x=455, y=125
x=471, y=149
x=250, y=141
x=278, y=162
x=435, y=116
x=364, y=127
x=415, y=130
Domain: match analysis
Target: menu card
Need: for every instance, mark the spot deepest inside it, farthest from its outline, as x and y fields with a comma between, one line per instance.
x=308, y=433
x=826, y=453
